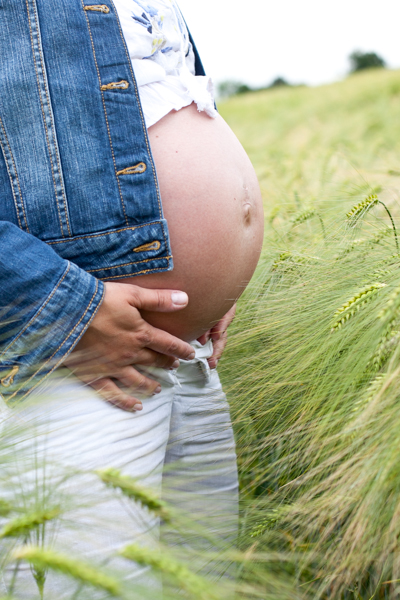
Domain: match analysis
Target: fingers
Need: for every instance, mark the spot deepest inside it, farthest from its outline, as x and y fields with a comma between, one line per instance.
x=157, y=300
x=112, y=393
x=165, y=343
x=219, y=347
x=149, y=358
x=219, y=335
x=138, y=383
x=220, y=328
x=132, y=382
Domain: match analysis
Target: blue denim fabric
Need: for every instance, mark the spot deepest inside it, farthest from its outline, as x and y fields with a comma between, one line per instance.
x=79, y=196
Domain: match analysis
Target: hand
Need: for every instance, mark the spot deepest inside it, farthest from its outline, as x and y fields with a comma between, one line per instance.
x=118, y=338
x=219, y=336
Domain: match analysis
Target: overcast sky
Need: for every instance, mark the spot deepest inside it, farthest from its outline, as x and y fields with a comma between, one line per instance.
x=305, y=41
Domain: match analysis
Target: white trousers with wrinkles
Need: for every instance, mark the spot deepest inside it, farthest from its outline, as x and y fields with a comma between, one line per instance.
x=181, y=446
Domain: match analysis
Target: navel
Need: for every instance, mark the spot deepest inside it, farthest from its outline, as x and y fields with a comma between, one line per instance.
x=247, y=206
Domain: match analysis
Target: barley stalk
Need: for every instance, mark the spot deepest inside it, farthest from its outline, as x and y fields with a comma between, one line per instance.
x=355, y=244
x=23, y=525
x=370, y=393
x=283, y=257
x=358, y=211
x=131, y=489
x=43, y=559
x=293, y=260
x=378, y=237
x=39, y=575
x=160, y=561
x=379, y=273
x=391, y=309
x=272, y=517
x=392, y=260
x=347, y=310
x=305, y=215
x=365, y=243
x=387, y=343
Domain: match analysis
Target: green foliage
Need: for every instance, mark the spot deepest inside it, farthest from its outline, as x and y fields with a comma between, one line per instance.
x=349, y=308
x=130, y=488
x=44, y=559
x=278, y=82
x=316, y=412
x=365, y=60
x=358, y=211
x=232, y=88
x=22, y=526
x=361, y=209
x=161, y=561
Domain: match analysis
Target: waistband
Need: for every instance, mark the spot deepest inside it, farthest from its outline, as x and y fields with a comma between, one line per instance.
x=174, y=377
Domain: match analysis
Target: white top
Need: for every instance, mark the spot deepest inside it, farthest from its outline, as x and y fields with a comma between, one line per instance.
x=162, y=58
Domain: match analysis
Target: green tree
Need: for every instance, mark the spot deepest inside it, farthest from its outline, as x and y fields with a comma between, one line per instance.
x=278, y=82
x=232, y=88
x=365, y=60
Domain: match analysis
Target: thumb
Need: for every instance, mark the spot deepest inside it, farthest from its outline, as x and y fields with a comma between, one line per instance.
x=158, y=300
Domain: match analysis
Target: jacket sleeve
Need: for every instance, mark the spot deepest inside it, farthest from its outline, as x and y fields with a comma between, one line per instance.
x=46, y=304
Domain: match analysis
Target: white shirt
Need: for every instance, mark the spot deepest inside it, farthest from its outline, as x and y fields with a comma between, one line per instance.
x=162, y=58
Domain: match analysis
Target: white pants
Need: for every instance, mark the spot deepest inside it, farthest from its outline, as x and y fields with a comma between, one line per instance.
x=180, y=445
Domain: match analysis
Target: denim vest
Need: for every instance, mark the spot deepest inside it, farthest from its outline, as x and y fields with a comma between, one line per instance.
x=79, y=196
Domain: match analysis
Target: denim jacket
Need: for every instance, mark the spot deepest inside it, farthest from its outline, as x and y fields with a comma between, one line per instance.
x=79, y=196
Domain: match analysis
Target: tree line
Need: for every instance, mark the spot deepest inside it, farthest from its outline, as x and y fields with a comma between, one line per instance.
x=359, y=61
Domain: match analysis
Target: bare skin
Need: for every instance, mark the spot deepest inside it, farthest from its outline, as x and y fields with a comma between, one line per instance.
x=219, y=335
x=118, y=338
x=212, y=202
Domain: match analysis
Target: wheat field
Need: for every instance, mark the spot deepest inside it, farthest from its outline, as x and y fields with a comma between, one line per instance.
x=313, y=364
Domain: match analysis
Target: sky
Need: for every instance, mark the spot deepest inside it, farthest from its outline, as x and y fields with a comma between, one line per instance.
x=304, y=41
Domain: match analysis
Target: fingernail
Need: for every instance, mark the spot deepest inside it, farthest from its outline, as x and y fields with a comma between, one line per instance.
x=192, y=356
x=175, y=364
x=179, y=298
x=138, y=407
x=157, y=390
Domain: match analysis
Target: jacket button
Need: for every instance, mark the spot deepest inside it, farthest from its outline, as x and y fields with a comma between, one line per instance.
x=115, y=85
x=98, y=8
x=139, y=168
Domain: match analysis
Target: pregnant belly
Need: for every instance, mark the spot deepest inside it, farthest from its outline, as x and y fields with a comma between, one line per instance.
x=212, y=202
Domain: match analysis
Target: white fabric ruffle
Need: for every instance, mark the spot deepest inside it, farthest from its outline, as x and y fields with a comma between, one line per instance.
x=173, y=93
x=163, y=59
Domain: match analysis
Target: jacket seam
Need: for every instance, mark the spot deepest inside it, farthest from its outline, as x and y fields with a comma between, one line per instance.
x=53, y=127
x=105, y=113
x=36, y=315
x=133, y=274
x=11, y=178
x=95, y=235
x=44, y=118
x=135, y=262
x=141, y=117
x=62, y=343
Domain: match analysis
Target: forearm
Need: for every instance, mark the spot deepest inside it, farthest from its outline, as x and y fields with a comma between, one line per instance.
x=47, y=305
